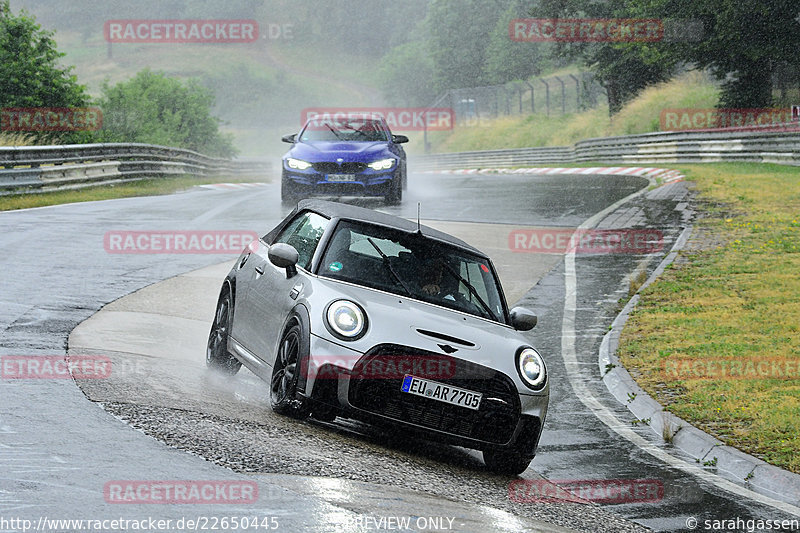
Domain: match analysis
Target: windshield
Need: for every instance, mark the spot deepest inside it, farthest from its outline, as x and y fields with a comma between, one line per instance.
x=408, y=264
x=349, y=129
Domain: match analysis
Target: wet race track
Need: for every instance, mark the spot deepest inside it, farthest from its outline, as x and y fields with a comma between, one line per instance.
x=59, y=450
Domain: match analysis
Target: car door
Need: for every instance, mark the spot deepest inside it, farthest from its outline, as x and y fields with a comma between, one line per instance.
x=268, y=298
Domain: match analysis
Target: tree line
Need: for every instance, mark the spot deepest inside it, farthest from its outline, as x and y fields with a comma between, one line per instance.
x=149, y=108
x=466, y=43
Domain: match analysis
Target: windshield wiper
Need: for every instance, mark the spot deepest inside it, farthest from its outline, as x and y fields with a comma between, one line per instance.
x=334, y=132
x=389, y=266
x=471, y=290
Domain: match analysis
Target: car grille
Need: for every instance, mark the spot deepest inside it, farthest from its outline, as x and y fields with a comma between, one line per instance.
x=494, y=422
x=347, y=167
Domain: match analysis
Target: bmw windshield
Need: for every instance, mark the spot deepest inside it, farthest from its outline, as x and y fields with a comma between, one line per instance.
x=410, y=264
x=345, y=129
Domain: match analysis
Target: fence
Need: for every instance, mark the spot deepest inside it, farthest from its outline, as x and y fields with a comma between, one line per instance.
x=764, y=145
x=556, y=94
x=41, y=168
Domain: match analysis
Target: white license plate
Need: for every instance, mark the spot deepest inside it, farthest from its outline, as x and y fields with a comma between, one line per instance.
x=338, y=178
x=441, y=392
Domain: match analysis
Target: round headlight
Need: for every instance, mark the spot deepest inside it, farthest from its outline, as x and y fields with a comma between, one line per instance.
x=531, y=368
x=345, y=319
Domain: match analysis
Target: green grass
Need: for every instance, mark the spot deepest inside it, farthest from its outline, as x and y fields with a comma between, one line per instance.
x=641, y=115
x=735, y=298
x=146, y=187
x=15, y=139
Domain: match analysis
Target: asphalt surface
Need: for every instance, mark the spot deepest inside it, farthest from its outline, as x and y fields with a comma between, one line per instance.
x=57, y=448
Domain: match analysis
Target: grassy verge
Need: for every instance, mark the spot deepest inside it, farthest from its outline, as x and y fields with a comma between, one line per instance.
x=146, y=187
x=641, y=115
x=732, y=298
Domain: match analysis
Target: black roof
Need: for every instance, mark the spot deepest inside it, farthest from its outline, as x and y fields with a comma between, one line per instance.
x=354, y=212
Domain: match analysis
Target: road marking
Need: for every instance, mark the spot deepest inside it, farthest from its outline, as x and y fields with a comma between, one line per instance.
x=584, y=394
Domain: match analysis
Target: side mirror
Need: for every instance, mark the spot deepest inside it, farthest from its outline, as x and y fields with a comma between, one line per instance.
x=399, y=139
x=284, y=256
x=289, y=138
x=522, y=319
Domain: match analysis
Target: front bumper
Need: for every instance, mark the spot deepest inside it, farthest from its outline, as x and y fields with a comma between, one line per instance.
x=366, y=183
x=505, y=419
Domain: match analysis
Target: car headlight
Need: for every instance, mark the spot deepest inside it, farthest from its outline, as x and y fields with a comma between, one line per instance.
x=383, y=164
x=346, y=320
x=531, y=368
x=299, y=164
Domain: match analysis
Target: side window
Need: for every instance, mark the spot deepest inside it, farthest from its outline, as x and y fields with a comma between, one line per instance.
x=304, y=233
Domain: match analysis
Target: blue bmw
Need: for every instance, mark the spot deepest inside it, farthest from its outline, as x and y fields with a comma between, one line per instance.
x=344, y=156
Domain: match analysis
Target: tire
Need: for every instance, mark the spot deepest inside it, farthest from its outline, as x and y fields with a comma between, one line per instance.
x=285, y=374
x=506, y=462
x=217, y=355
x=288, y=193
x=395, y=194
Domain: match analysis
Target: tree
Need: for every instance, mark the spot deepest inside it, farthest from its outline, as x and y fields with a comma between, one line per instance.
x=623, y=69
x=459, y=32
x=507, y=60
x=405, y=75
x=743, y=44
x=152, y=108
x=30, y=76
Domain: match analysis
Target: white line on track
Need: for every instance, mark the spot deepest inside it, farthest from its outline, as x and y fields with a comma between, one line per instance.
x=605, y=415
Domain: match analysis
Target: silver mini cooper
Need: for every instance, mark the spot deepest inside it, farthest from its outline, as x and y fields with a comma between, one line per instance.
x=354, y=313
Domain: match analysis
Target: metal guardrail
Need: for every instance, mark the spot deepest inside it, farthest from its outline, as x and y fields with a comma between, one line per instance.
x=773, y=144
x=42, y=168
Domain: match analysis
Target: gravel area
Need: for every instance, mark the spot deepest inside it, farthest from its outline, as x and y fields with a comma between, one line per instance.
x=334, y=450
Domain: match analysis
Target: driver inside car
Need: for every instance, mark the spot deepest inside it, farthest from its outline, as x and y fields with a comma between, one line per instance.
x=432, y=280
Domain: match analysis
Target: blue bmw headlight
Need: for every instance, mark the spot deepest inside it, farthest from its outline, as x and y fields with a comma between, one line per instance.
x=299, y=164
x=383, y=164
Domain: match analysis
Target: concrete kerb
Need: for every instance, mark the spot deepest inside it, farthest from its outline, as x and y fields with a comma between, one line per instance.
x=733, y=464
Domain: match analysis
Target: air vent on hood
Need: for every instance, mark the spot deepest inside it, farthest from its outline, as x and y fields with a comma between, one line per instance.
x=446, y=338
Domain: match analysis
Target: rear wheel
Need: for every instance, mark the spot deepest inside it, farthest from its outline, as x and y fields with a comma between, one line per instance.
x=285, y=375
x=506, y=461
x=217, y=355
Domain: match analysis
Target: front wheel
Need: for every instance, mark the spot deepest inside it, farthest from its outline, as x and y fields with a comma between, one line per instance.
x=217, y=355
x=395, y=194
x=288, y=192
x=285, y=375
x=506, y=462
